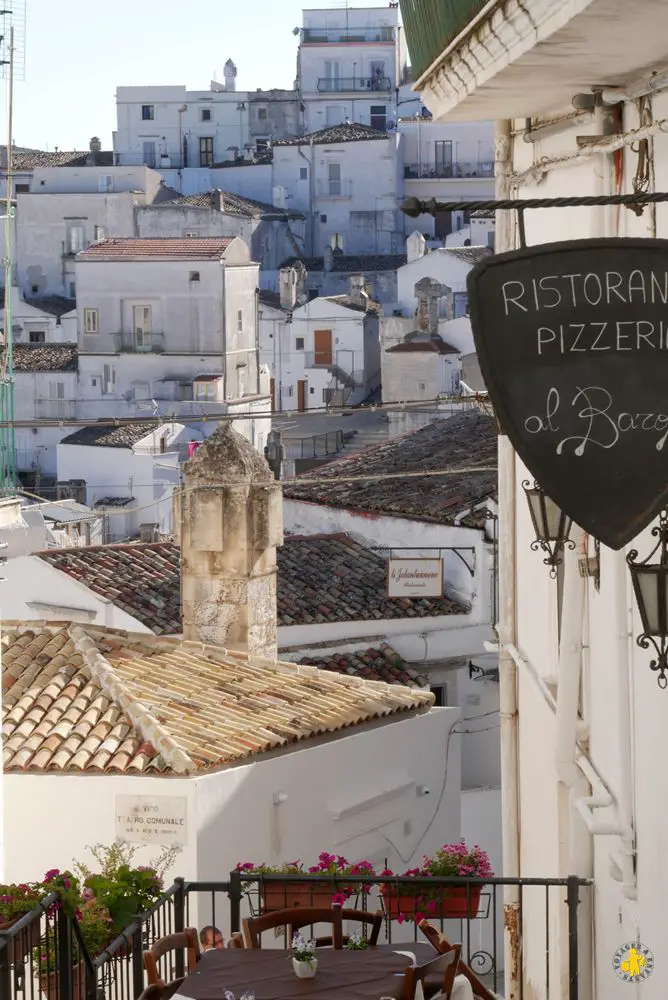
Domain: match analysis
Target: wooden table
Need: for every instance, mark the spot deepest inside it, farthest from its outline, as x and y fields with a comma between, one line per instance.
x=268, y=973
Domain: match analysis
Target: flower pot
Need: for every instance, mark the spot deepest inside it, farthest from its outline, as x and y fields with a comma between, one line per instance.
x=305, y=970
x=50, y=987
x=457, y=902
x=25, y=940
x=279, y=895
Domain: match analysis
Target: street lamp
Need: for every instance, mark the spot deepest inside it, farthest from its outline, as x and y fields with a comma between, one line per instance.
x=551, y=525
x=650, y=583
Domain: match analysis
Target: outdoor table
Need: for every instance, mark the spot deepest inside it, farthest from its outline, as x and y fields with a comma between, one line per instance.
x=268, y=973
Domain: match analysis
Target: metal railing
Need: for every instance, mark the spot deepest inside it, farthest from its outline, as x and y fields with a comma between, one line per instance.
x=459, y=168
x=353, y=84
x=335, y=189
x=139, y=343
x=318, y=36
x=317, y=446
x=544, y=906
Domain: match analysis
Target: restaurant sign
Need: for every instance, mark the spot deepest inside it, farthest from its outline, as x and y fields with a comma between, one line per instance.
x=415, y=578
x=572, y=342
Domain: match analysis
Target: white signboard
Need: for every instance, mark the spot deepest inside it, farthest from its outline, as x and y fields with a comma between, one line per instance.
x=415, y=578
x=152, y=819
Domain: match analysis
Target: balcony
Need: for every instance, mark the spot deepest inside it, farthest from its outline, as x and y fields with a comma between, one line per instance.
x=55, y=409
x=344, y=36
x=354, y=85
x=438, y=171
x=139, y=343
x=334, y=189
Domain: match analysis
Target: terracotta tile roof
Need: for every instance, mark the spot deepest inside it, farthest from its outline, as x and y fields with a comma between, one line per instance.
x=348, y=302
x=349, y=263
x=164, y=248
x=332, y=578
x=123, y=436
x=471, y=255
x=422, y=344
x=466, y=440
x=233, y=204
x=321, y=578
x=381, y=663
x=45, y=358
x=352, y=132
x=88, y=699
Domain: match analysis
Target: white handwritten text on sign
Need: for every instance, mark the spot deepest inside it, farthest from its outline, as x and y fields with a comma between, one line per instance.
x=152, y=819
x=415, y=578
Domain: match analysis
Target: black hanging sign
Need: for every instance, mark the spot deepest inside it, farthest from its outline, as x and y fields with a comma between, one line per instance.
x=572, y=342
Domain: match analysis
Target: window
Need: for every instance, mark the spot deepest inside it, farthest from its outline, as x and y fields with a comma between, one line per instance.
x=191, y=234
x=100, y=233
x=334, y=179
x=422, y=387
x=240, y=321
x=149, y=153
x=34, y=289
x=194, y=275
x=73, y=290
x=75, y=236
x=105, y=183
x=303, y=173
x=205, y=114
x=141, y=324
x=204, y=392
x=262, y=114
x=332, y=81
x=377, y=76
x=378, y=117
x=37, y=337
x=147, y=112
x=108, y=380
x=443, y=158
x=21, y=188
x=460, y=304
x=299, y=343
x=91, y=321
x=440, y=693
x=206, y=151
x=323, y=218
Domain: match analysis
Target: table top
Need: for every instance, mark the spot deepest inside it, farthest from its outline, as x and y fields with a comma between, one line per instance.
x=268, y=973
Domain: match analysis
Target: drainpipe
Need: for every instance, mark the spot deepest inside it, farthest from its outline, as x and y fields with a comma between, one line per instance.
x=311, y=215
x=506, y=629
x=257, y=342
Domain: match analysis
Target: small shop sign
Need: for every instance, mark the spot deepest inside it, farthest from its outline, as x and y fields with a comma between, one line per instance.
x=572, y=342
x=415, y=578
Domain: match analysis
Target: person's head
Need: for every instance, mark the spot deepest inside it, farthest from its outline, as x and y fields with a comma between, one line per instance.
x=210, y=937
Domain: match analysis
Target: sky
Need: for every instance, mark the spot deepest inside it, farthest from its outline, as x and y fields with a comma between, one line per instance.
x=78, y=51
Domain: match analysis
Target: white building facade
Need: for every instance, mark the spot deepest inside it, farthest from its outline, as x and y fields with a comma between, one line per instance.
x=590, y=726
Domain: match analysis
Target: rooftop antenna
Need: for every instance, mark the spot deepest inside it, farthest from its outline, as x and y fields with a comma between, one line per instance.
x=12, y=67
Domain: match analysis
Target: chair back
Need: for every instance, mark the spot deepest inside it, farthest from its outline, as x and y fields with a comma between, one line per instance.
x=183, y=941
x=441, y=944
x=236, y=941
x=443, y=966
x=372, y=921
x=294, y=918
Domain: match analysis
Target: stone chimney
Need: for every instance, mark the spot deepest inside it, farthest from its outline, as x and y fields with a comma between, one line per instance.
x=229, y=513
x=428, y=293
x=230, y=75
x=95, y=145
x=357, y=289
x=416, y=246
x=218, y=200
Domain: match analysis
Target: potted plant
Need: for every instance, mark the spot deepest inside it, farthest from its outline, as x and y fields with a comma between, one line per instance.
x=95, y=926
x=448, y=901
x=356, y=942
x=15, y=902
x=304, y=961
x=125, y=890
x=277, y=895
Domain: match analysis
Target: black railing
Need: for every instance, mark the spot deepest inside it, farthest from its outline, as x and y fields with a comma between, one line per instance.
x=476, y=922
x=354, y=84
x=335, y=36
x=439, y=171
x=316, y=446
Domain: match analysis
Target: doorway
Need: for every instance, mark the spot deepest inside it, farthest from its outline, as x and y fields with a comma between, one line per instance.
x=301, y=395
x=322, y=347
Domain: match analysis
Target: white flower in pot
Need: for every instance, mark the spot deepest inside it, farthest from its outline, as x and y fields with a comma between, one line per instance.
x=304, y=961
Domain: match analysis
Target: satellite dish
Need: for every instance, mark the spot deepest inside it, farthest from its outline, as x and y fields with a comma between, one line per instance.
x=295, y=31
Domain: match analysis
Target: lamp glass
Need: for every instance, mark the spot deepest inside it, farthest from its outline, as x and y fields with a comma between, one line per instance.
x=651, y=586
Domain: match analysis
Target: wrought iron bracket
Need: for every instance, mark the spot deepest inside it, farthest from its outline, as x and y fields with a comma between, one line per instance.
x=456, y=549
x=654, y=619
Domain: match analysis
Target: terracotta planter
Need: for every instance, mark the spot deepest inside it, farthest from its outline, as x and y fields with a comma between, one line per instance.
x=279, y=895
x=25, y=941
x=51, y=988
x=452, y=903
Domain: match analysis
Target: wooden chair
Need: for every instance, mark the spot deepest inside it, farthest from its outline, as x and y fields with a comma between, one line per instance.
x=372, y=920
x=444, y=966
x=184, y=941
x=294, y=918
x=153, y=992
x=236, y=941
x=441, y=944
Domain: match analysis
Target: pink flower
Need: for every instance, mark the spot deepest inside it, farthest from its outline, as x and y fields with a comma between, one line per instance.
x=418, y=917
x=387, y=872
x=339, y=898
x=51, y=874
x=431, y=904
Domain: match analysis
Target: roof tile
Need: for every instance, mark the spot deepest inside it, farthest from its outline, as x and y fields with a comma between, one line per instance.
x=348, y=132
x=45, y=358
x=381, y=663
x=122, y=436
x=163, y=248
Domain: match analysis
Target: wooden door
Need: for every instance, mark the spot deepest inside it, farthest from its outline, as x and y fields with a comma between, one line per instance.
x=322, y=347
x=301, y=395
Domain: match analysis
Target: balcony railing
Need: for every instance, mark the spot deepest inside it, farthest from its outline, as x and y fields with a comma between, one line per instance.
x=338, y=36
x=334, y=189
x=139, y=343
x=55, y=409
x=460, y=168
x=354, y=84
x=430, y=27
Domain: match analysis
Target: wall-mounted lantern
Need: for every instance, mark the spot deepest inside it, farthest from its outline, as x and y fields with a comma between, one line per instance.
x=650, y=583
x=551, y=525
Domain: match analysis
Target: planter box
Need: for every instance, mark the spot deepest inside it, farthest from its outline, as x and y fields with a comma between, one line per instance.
x=25, y=941
x=51, y=988
x=455, y=903
x=279, y=895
